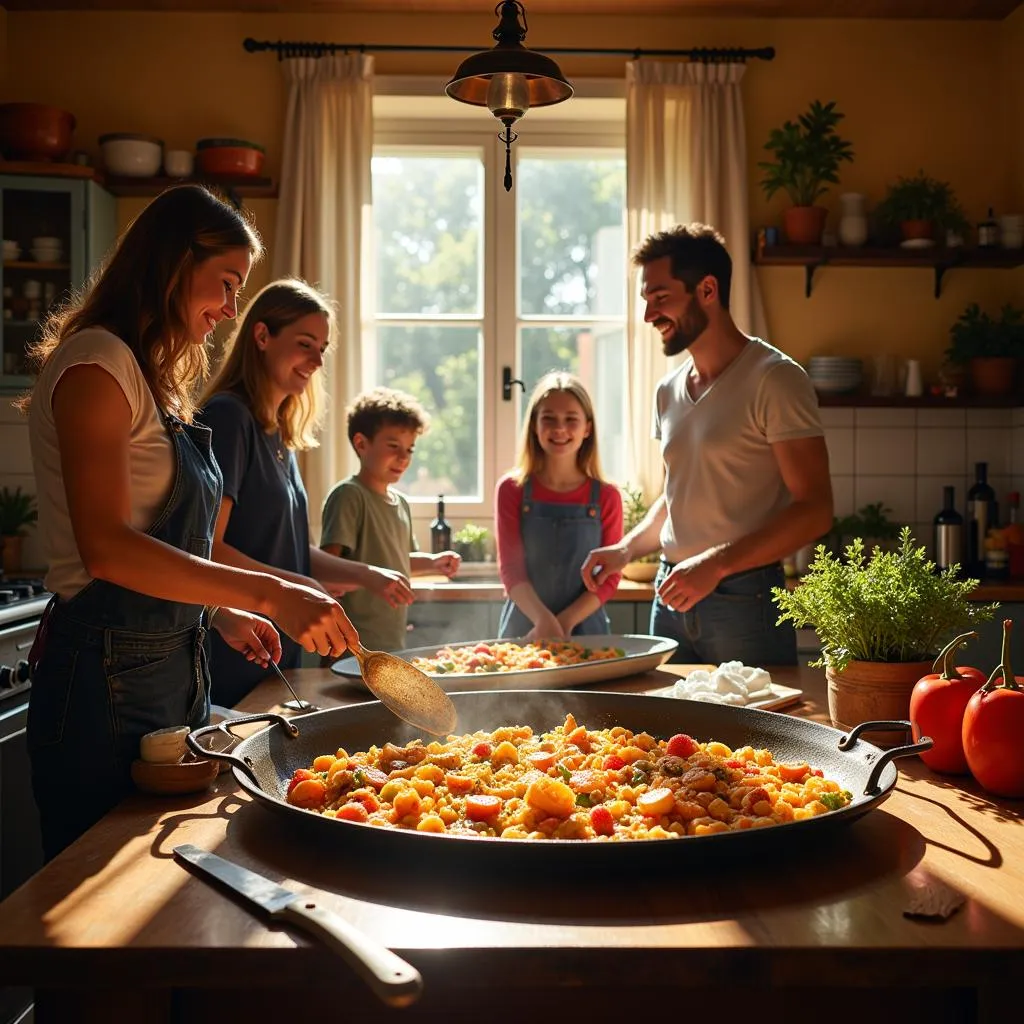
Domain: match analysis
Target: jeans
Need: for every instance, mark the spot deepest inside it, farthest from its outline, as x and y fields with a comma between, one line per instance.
x=735, y=622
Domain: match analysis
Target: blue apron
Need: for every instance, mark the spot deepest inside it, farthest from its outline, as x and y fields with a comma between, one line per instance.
x=110, y=664
x=556, y=541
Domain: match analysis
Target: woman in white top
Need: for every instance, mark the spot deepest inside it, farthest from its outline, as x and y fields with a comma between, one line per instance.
x=129, y=492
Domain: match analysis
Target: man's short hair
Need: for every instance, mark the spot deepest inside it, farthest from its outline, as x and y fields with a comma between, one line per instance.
x=385, y=407
x=696, y=251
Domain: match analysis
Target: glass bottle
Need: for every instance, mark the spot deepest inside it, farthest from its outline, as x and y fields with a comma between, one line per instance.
x=980, y=516
x=988, y=230
x=440, y=531
x=949, y=529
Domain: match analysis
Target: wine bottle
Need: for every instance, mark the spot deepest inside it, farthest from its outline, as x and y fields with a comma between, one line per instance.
x=949, y=529
x=440, y=531
x=980, y=516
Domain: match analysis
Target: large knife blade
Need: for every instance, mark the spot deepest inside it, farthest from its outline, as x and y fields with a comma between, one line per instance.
x=394, y=980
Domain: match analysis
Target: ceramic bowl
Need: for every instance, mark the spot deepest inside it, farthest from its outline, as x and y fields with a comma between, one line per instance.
x=184, y=777
x=132, y=156
x=229, y=157
x=178, y=163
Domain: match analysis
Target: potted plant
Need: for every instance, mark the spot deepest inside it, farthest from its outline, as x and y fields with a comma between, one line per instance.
x=634, y=508
x=871, y=523
x=471, y=542
x=921, y=205
x=807, y=154
x=17, y=511
x=882, y=620
x=989, y=347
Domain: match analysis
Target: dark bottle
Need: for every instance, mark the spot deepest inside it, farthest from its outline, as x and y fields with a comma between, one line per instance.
x=981, y=501
x=988, y=231
x=440, y=531
x=949, y=532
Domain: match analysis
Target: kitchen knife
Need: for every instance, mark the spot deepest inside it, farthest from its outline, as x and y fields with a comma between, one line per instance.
x=393, y=980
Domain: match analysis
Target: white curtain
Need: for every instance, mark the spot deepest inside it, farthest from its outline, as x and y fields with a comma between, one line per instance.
x=686, y=160
x=324, y=231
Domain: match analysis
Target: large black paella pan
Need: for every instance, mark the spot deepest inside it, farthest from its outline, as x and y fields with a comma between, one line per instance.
x=264, y=763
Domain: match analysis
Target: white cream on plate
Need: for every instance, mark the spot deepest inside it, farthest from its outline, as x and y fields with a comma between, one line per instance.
x=731, y=683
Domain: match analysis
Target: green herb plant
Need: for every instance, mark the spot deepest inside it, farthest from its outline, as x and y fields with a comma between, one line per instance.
x=634, y=508
x=871, y=523
x=17, y=510
x=922, y=198
x=976, y=335
x=889, y=606
x=471, y=542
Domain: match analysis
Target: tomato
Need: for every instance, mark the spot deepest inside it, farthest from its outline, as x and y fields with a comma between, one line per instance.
x=601, y=821
x=612, y=763
x=937, y=707
x=681, y=745
x=993, y=733
x=482, y=750
x=301, y=775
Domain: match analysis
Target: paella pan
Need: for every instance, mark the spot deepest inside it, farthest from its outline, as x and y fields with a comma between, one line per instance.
x=264, y=764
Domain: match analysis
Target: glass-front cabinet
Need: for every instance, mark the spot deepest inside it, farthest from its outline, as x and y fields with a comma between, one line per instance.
x=55, y=231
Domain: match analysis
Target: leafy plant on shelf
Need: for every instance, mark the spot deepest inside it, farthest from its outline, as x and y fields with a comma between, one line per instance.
x=890, y=606
x=922, y=198
x=17, y=511
x=976, y=335
x=871, y=523
x=634, y=508
x=471, y=541
x=807, y=154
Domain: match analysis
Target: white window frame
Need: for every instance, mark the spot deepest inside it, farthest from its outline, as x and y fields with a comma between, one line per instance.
x=443, y=125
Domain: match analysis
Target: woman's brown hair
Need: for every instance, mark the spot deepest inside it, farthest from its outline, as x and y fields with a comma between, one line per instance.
x=243, y=369
x=141, y=292
x=531, y=455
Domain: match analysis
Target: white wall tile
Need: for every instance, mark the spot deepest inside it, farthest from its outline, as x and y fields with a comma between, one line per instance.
x=840, y=449
x=885, y=451
x=842, y=495
x=924, y=536
x=991, y=445
x=941, y=417
x=990, y=418
x=941, y=450
x=15, y=454
x=832, y=417
x=895, y=492
x=1017, y=417
x=885, y=417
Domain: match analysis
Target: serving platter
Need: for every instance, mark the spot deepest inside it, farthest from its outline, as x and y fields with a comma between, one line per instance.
x=781, y=697
x=642, y=654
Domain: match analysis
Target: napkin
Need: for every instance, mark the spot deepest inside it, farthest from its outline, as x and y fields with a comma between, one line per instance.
x=731, y=683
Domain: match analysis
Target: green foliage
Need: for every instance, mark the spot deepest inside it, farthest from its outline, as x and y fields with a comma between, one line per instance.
x=17, y=510
x=634, y=508
x=870, y=523
x=807, y=155
x=891, y=606
x=922, y=198
x=976, y=334
x=471, y=541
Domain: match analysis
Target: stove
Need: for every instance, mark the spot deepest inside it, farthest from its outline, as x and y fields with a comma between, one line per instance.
x=22, y=602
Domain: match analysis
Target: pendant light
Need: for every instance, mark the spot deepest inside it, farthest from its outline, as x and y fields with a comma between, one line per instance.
x=510, y=79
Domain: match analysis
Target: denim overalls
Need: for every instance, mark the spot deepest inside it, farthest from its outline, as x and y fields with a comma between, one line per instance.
x=556, y=541
x=110, y=665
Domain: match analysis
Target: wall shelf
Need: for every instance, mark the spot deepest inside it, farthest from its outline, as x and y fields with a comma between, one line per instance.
x=861, y=401
x=236, y=187
x=939, y=259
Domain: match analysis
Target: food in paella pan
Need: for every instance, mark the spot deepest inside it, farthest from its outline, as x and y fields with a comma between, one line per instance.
x=506, y=656
x=568, y=783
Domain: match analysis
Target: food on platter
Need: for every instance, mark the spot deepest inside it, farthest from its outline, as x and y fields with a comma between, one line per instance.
x=731, y=683
x=568, y=783
x=506, y=656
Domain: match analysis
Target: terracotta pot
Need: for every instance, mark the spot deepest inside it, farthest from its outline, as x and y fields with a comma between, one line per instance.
x=12, y=553
x=992, y=375
x=35, y=131
x=229, y=157
x=804, y=225
x=873, y=691
x=916, y=228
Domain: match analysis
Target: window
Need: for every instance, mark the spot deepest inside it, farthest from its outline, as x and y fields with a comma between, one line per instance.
x=471, y=279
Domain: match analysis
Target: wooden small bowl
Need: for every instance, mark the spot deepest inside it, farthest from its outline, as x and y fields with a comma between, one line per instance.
x=183, y=777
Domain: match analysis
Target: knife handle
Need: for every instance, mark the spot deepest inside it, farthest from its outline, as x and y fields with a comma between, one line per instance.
x=392, y=979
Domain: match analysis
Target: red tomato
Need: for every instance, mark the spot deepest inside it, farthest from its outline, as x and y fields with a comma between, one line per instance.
x=482, y=649
x=994, y=727
x=482, y=750
x=612, y=763
x=937, y=707
x=681, y=745
x=301, y=775
x=601, y=821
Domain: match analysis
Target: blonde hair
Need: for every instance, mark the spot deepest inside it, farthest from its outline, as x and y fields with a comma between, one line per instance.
x=531, y=455
x=141, y=292
x=243, y=366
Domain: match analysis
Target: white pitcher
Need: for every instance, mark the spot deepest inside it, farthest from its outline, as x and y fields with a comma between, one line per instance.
x=853, y=223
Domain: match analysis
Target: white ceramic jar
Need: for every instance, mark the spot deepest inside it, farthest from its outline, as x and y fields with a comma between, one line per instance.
x=853, y=221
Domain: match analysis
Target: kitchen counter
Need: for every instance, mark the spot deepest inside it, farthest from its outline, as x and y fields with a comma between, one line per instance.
x=120, y=932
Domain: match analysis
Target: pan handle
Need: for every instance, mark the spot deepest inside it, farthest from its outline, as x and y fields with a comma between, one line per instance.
x=225, y=727
x=924, y=743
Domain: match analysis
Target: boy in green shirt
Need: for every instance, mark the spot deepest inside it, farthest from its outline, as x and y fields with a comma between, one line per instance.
x=366, y=519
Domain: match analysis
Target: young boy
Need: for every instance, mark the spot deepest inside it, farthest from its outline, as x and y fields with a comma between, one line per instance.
x=366, y=519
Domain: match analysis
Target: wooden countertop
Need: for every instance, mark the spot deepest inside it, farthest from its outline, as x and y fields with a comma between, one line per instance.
x=117, y=928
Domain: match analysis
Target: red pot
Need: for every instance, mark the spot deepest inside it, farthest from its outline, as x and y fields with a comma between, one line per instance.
x=35, y=131
x=804, y=225
x=229, y=157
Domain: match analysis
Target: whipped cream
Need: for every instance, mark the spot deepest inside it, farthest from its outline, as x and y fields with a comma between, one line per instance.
x=731, y=683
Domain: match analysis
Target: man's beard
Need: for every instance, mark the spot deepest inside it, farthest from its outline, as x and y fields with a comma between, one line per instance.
x=693, y=325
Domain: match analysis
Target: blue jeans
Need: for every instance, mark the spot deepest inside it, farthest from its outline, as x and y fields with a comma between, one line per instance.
x=735, y=622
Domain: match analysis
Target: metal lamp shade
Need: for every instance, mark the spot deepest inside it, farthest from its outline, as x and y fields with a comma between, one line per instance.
x=545, y=80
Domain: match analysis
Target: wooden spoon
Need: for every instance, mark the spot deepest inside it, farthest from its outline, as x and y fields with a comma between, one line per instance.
x=406, y=691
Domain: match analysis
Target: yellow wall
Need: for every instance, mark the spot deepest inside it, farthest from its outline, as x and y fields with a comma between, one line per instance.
x=947, y=97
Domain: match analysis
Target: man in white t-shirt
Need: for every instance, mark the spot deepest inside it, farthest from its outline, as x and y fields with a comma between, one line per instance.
x=746, y=466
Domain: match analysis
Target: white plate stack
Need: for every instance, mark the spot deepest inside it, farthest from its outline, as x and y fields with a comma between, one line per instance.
x=835, y=374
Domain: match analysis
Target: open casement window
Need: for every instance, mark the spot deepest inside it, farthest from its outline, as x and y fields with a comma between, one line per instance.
x=471, y=279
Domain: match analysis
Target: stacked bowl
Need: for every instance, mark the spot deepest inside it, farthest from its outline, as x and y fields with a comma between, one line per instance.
x=47, y=249
x=835, y=375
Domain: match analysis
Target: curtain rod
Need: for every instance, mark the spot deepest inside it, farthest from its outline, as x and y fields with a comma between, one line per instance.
x=702, y=54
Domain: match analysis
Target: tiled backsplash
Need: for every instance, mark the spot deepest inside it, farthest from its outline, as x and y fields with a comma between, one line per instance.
x=904, y=457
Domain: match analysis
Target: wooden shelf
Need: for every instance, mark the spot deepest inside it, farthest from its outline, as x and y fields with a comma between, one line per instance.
x=32, y=265
x=242, y=187
x=862, y=401
x=938, y=259
x=47, y=168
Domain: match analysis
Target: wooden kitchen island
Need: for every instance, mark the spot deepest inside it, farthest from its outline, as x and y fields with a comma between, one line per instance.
x=115, y=930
